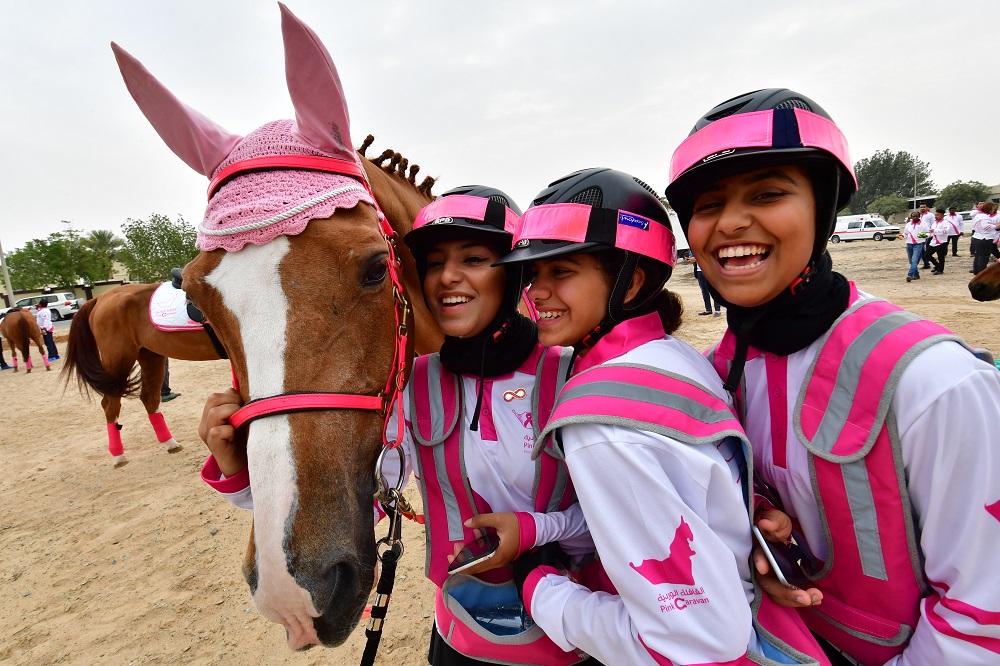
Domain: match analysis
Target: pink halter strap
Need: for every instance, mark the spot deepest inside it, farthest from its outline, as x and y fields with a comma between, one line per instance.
x=307, y=162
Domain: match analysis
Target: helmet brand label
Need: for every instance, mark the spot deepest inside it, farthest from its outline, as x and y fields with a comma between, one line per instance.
x=443, y=220
x=524, y=242
x=721, y=153
x=633, y=221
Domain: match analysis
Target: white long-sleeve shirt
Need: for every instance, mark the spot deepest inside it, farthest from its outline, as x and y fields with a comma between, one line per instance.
x=939, y=233
x=985, y=226
x=946, y=409
x=44, y=319
x=638, y=490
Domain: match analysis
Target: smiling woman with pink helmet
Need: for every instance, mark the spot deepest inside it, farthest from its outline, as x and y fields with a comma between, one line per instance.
x=657, y=458
x=872, y=428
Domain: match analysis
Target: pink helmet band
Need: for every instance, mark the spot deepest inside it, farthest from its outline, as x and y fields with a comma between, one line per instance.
x=462, y=206
x=755, y=130
x=571, y=222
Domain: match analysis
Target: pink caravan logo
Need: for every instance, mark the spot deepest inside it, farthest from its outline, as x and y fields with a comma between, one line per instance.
x=676, y=569
x=524, y=418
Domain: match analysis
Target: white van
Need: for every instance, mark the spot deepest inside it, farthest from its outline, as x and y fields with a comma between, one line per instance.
x=863, y=227
x=683, y=248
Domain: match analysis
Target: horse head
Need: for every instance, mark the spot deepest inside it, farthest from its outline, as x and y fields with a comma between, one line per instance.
x=296, y=277
x=986, y=285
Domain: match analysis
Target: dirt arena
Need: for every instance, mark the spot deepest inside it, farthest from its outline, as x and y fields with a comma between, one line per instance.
x=141, y=565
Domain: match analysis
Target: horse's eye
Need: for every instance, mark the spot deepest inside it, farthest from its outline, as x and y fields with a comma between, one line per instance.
x=376, y=272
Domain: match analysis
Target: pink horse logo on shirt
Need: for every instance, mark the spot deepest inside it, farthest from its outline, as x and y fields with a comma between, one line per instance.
x=676, y=569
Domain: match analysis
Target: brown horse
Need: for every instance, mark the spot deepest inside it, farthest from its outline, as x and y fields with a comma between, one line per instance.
x=986, y=285
x=108, y=336
x=20, y=329
x=301, y=297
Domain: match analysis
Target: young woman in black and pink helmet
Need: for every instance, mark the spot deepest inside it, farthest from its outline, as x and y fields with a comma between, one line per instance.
x=655, y=453
x=468, y=436
x=870, y=427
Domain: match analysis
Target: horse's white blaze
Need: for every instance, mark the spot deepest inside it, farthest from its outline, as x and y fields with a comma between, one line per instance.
x=250, y=286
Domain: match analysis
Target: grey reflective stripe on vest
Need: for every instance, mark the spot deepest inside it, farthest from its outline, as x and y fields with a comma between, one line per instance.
x=646, y=394
x=848, y=376
x=435, y=397
x=862, y=503
x=558, y=489
x=565, y=356
x=456, y=531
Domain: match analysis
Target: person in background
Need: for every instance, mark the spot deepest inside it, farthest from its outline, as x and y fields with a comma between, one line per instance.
x=984, y=234
x=956, y=228
x=44, y=319
x=926, y=224
x=166, y=395
x=703, y=285
x=914, y=244
x=848, y=400
x=939, y=241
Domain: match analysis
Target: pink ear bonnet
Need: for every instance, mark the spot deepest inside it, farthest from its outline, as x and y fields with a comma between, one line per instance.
x=276, y=179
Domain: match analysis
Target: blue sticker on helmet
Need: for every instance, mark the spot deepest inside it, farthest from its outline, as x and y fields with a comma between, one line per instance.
x=630, y=220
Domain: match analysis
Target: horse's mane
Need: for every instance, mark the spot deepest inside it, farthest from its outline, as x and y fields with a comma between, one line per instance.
x=397, y=165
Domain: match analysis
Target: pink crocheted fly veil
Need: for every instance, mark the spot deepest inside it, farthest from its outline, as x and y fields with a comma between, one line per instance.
x=290, y=182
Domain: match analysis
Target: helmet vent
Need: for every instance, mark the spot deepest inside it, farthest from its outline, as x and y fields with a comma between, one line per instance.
x=646, y=187
x=592, y=196
x=795, y=103
x=500, y=199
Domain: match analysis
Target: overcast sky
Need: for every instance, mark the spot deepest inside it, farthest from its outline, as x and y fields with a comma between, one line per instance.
x=510, y=94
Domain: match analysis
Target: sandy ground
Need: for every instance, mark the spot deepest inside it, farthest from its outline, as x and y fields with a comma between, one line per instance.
x=141, y=565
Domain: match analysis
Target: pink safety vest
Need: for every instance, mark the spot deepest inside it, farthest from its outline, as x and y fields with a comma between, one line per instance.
x=657, y=401
x=436, y=408
x=873, y=579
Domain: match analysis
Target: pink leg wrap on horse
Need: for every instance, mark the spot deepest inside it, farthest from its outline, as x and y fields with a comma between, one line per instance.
x=160, y=427
x=15, y=364
x=115, y=440
x=45, y=360
x=27, y=363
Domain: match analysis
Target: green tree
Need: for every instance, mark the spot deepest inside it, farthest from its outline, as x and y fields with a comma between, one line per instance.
x=887, y=205
x=887, y=172
x=155, y=245
x=53, y=261
x=100, y=249
x=963, y=195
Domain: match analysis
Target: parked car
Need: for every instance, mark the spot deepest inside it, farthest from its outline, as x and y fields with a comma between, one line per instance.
x=863, y=227
x=62, y=305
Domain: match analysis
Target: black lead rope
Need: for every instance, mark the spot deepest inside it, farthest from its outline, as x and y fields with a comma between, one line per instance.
x=383, y=590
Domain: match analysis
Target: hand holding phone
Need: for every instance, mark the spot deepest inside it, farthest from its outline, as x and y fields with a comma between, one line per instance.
x=474, y=552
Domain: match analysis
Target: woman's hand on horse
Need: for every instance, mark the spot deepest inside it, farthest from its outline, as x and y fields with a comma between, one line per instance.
x=215, y=430
x=776, y=526
x=509, y=532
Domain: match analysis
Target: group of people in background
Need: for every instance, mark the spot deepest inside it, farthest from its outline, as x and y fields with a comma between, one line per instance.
x=623, y=509
x=927, y=235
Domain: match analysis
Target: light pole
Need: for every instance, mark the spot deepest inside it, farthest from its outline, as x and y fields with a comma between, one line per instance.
x=6, y=277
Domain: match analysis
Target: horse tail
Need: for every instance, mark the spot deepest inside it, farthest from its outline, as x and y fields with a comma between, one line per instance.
x=22, y=325
x=83, y=357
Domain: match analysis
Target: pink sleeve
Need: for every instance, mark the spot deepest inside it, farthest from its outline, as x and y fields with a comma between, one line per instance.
x=212, y=475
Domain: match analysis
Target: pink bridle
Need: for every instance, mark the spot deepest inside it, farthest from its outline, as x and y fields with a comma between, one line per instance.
x=286, y=403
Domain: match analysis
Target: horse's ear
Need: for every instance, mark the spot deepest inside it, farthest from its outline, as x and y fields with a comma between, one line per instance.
x=321, y=117
x=201, y=143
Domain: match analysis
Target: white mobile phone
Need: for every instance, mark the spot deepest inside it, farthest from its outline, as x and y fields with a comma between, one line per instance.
x=473, y=553
x=784, y=567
